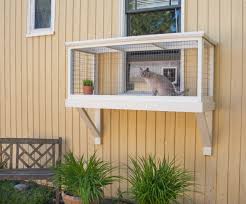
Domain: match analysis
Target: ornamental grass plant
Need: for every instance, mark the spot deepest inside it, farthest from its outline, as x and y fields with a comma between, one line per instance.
x=158, y=181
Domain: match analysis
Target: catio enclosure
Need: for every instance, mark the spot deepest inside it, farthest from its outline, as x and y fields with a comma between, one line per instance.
x=166, y=72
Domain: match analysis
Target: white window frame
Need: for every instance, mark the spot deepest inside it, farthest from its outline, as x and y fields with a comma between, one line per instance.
x=31, y=31
x=123, y=33
x=176, y=73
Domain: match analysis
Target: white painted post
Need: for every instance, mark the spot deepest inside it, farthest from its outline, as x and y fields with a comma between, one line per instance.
x=122, y=73
x=97, y=112
x=200, y=69
x=122, y=19
x=204, y=122
x=211, y=69
x=96, y=74
x=69, y=70
x=98, y=140
x=182, y=70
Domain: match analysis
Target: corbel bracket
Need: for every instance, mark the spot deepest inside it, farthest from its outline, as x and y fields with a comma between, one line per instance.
x=94, y=127
x=204, y=122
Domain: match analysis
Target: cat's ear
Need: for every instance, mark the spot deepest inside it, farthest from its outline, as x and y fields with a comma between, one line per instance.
x=147, y=69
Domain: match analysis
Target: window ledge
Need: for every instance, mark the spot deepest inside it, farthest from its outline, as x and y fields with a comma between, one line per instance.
x=40, y=33
x=150, y=103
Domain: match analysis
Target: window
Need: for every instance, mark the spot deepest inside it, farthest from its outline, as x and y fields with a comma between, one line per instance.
x=171, y=73
x=40, y=17
x=153, y=16
x=148, y=17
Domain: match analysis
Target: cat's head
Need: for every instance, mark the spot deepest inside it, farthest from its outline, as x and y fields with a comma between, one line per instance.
x=145, y=73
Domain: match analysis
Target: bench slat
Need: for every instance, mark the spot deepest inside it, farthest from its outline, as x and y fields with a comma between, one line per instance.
x=29, y=141
x=26, y=174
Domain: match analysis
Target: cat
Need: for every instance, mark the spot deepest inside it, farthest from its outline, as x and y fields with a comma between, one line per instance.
x=159, y=84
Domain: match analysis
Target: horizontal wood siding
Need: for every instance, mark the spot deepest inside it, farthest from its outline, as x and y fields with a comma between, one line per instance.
x=33, y=91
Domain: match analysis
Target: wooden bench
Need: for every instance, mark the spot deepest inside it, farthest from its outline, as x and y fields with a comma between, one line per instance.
x=29, y=159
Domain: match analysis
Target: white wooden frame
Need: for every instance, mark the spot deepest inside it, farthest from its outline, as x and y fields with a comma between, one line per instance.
x=182, y=88
x=31, y=31
x=198, y=104
x=112, y=44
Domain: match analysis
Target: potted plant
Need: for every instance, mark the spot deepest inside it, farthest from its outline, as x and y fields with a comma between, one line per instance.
x=83, y=181
x=157, y=182
x=88, y=87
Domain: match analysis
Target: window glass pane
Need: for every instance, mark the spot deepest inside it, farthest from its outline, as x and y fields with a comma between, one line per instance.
x=144, y=4
x=131, y=5
x=42, y=13
x=175, y=2
x=170, y=73
x=153, y=22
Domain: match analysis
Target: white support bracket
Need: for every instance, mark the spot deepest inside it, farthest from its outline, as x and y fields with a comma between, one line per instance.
x=94, y=127
x=204, y=122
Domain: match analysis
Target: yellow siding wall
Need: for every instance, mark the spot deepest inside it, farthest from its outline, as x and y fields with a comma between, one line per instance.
x=33, y=91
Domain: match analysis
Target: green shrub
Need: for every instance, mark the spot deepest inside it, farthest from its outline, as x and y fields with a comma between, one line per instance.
x=87, y=82
x=160, y=182
x=36, y=194
x=85, y=179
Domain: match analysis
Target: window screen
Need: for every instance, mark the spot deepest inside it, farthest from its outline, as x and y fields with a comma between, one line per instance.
x=42, y=14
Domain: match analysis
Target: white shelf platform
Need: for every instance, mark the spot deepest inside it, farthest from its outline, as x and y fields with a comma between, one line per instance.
x=151, y=103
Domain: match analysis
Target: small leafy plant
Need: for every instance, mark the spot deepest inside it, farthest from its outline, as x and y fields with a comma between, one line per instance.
x=84, y=179
x=87, y=82
x=160, y=182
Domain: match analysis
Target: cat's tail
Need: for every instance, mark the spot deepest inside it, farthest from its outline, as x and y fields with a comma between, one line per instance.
x=181, y=93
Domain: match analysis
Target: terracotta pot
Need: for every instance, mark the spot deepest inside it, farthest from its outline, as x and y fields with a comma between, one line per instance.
x=88, y=90
x=70, y=199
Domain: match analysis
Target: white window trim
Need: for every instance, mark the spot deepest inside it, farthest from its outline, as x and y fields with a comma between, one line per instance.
x=31, y=32
x=176, y=73
x=123, y=33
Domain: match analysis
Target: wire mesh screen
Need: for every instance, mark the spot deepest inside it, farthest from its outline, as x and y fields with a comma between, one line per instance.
x=207, y=71
x=158, y=69
x=83, y=68
x=154, y=72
